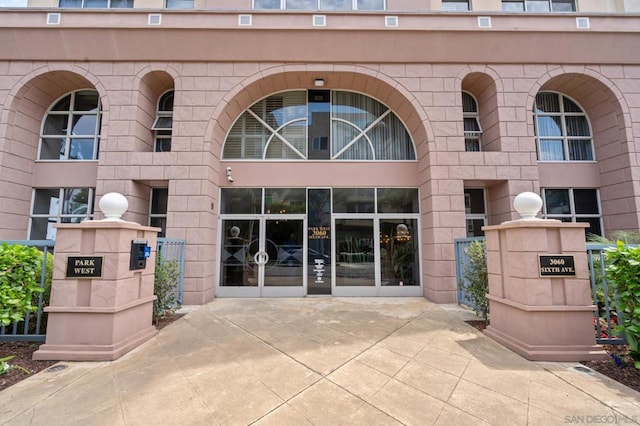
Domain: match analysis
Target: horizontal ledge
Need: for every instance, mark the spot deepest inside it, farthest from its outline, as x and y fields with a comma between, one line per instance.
x=99, y=310
x=542, y=308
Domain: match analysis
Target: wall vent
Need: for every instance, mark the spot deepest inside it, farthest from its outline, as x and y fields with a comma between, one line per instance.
x=583, y=23
x=245, y=20
x=53, y=18
x=390, y=21
x=484, y=21
x=319, y=20
x=154, y=19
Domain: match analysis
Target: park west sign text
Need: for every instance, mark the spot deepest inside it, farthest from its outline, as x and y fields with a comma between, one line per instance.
x=84, y=267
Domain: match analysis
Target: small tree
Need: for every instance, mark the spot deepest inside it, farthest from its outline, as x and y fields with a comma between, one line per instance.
x=623, y=269
x=20, y=268
x=476, y=280
x=165, y=287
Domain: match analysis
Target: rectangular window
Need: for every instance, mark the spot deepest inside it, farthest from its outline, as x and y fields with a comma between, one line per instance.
x=574, y=205
x=58, y=205
x=398, y=200
x=266, y=4
x=538, y=6
x=319, y=4
x=96, y=4
x=336, y=5
x=158, y=209
x=240, y=201
x=456, y=5
x=475, y=211
x=353, y=200
x=179, y=4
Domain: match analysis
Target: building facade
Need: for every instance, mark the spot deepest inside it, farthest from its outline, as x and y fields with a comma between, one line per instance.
x=312, y=147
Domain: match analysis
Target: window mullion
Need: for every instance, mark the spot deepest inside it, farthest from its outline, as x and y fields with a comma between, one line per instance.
x=572, y=205
x=563, y=128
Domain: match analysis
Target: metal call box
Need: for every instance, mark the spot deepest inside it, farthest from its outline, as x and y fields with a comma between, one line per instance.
x=139, y=254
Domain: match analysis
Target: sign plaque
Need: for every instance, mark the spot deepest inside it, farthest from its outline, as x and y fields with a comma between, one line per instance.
x=84, y=266
x=557, y=265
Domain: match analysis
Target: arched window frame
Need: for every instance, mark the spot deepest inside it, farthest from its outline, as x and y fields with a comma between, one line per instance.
x=67, y=140
x=163, y=124
x=271, y=133
x=471, y=118
x=569, y=151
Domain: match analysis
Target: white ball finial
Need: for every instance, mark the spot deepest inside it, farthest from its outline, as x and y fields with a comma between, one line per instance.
x=528, y=204
x=113, y=205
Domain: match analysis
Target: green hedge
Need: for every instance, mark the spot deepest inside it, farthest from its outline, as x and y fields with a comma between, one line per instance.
x=20, y=269
x=623, y=270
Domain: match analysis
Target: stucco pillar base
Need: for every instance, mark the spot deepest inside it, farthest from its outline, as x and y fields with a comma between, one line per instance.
x=96, y=334
x=545, y=333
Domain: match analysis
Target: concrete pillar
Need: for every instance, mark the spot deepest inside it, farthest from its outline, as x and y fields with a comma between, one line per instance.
x=535, y=310
x=99, y=315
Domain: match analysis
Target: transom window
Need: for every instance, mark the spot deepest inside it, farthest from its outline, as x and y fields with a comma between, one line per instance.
x=320, y=4
x=574, y=205
x=472, y=129
x=163, y=124
x=562, y=128
x=58, y=205
x=455, y=5
x=97, y=4
x=539, y=5
x=319, y=125
x=71, y=128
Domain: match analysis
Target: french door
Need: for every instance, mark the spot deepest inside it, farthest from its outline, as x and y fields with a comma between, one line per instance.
x=263, y=256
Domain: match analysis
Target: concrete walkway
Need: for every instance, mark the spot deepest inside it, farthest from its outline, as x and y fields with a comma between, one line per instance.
x=319, y=361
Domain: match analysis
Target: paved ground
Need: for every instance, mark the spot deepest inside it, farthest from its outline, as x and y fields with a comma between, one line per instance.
x=320, y=361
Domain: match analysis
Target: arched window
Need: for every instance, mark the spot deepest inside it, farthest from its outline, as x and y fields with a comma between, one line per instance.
x=163, y=124
x=472, y=129
x=71, y=128
x=319, y=125
x=563, y=132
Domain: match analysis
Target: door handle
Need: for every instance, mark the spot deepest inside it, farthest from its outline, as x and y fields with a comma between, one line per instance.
x=261, y=258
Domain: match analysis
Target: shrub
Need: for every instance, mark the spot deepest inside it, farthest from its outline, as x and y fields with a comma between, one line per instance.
x=19, y=281
x=476, y=281
x=623, y=269
x=165, y=287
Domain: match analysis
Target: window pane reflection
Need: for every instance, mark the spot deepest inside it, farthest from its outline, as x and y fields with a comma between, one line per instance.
x=353, y=200
x=399, y=252
x=241, y=200
x=398, y=200
x=355, y=264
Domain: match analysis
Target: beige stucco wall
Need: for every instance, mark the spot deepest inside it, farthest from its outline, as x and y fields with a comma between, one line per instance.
x=215, y=82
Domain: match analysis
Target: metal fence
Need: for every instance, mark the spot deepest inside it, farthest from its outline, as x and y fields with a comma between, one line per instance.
x=32, y=329
x=462, y=260
x=606, y=317
x=172, y=250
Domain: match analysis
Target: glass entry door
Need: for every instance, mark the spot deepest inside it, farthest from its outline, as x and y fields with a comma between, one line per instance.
x=281, y=260
x=263, y=256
